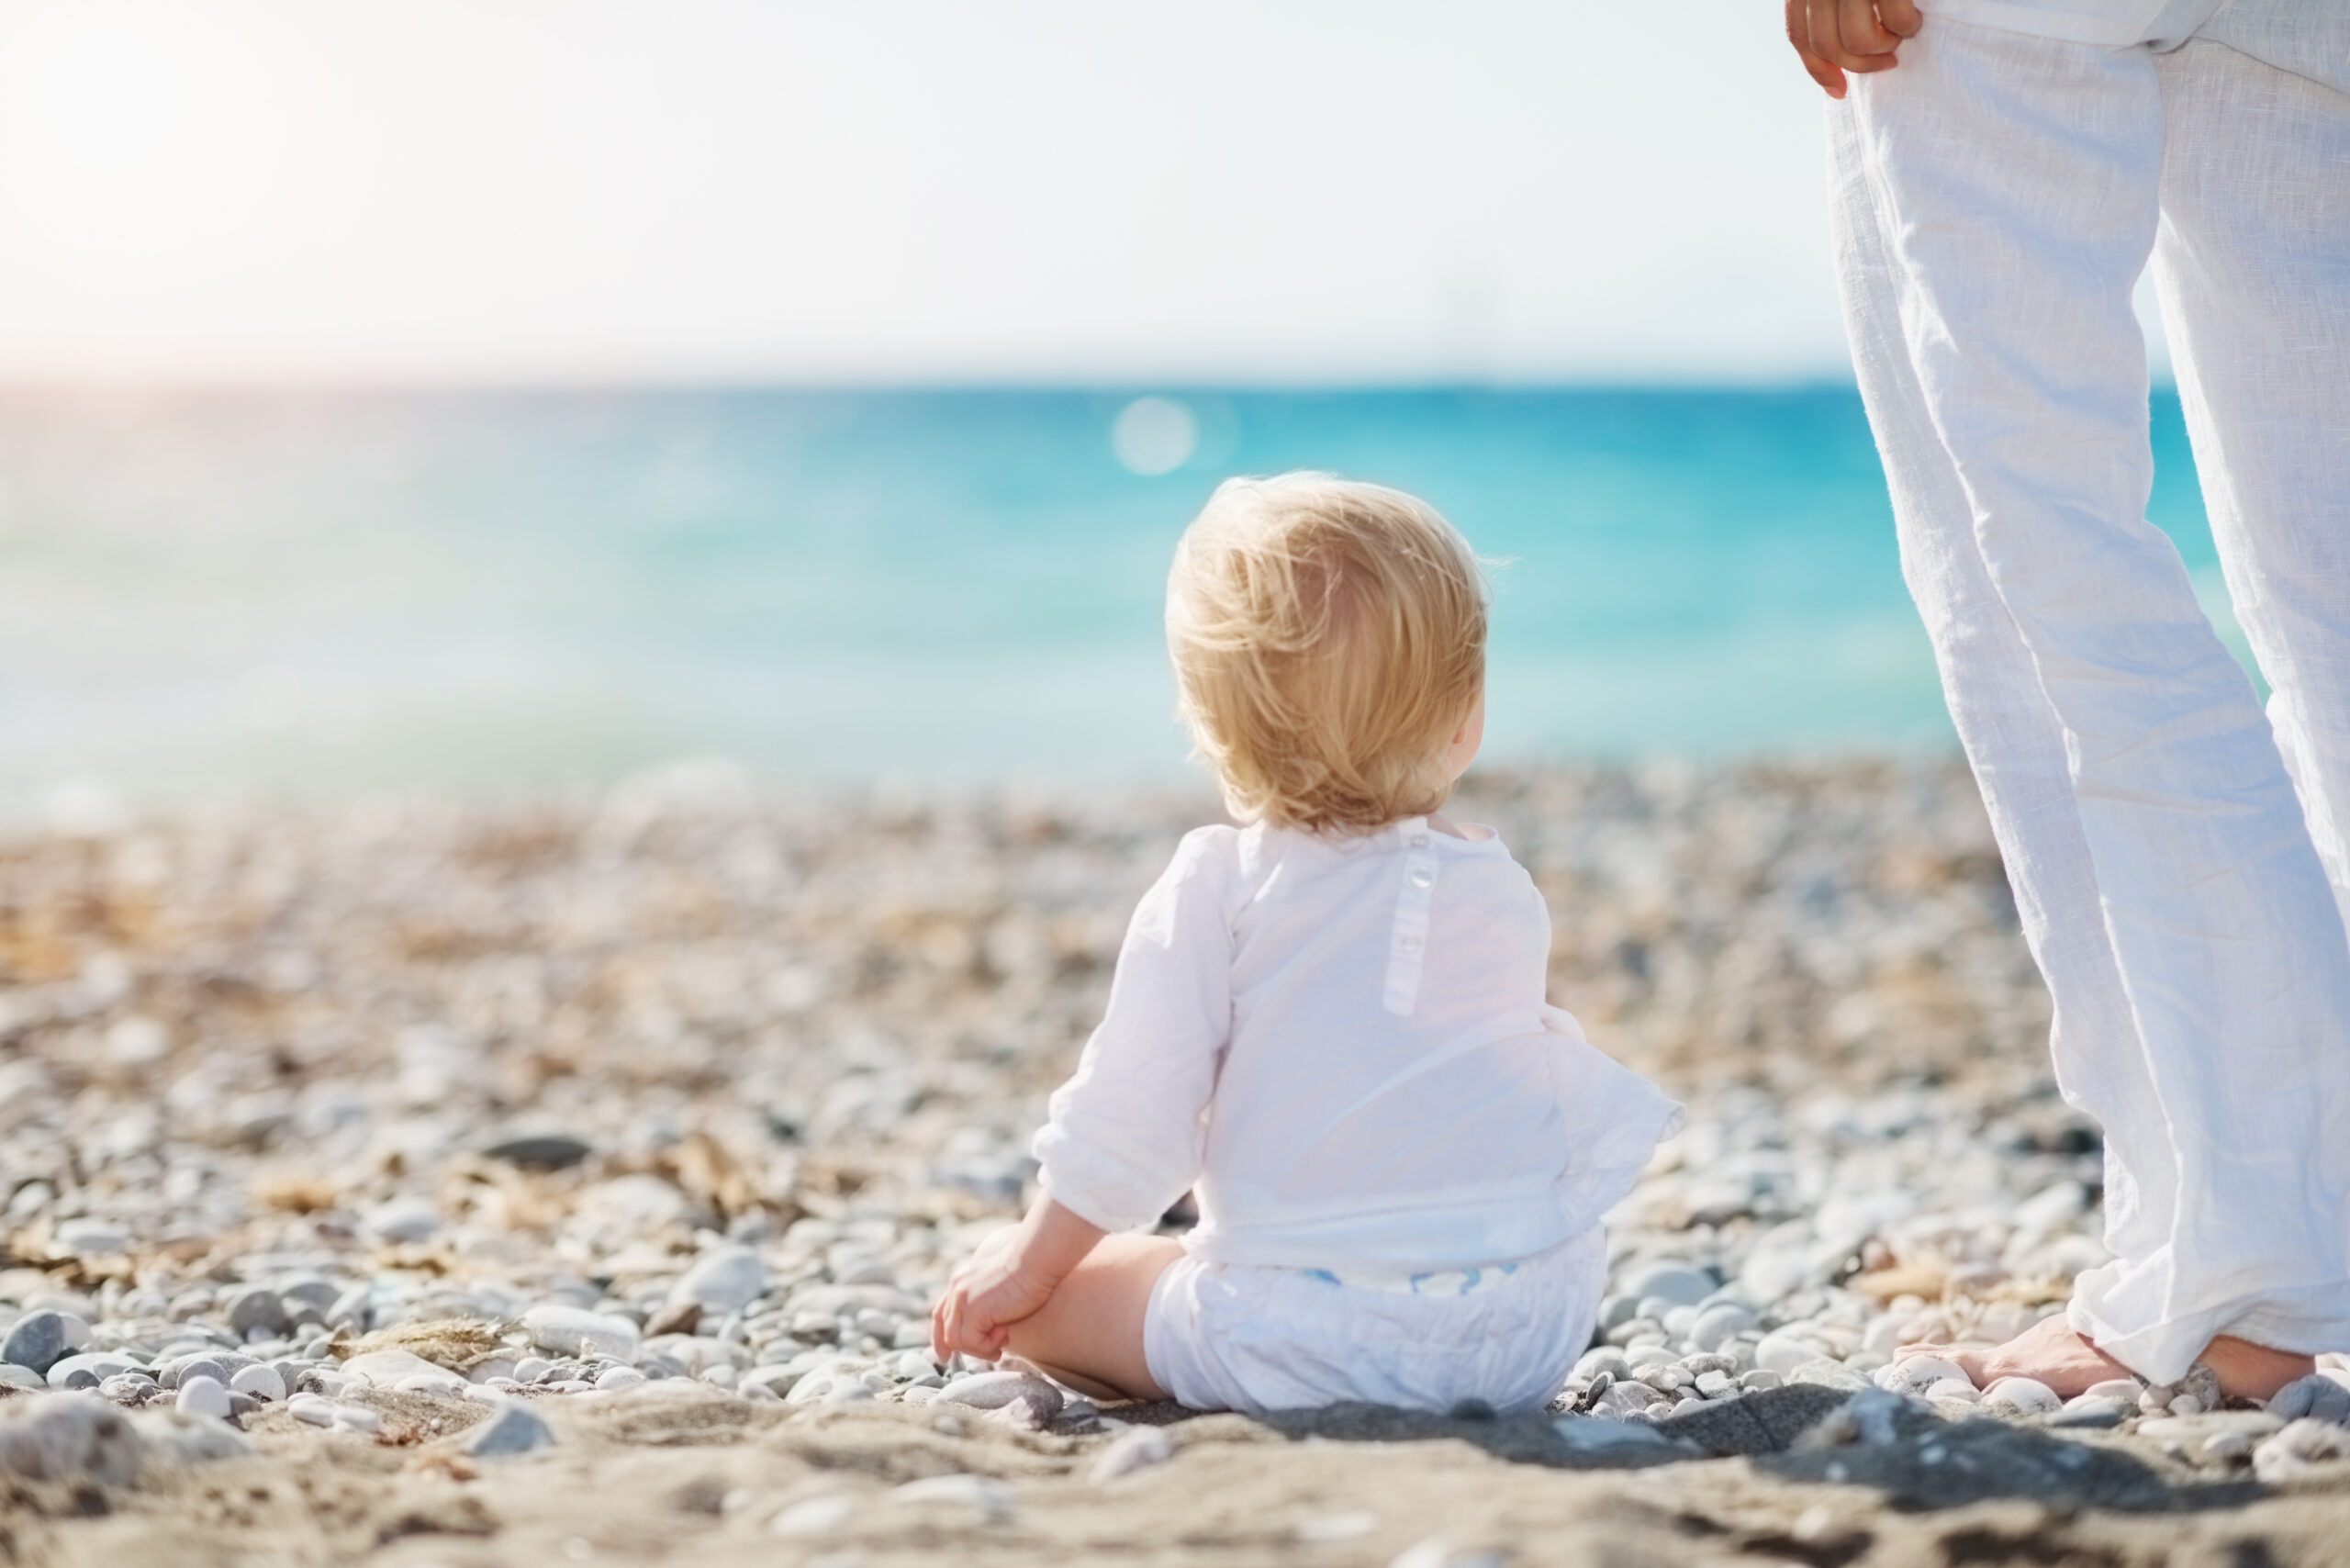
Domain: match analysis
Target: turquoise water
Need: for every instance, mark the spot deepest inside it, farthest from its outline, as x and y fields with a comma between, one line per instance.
x=325, y=593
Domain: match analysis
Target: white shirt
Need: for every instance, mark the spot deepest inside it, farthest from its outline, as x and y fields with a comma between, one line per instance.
x=2307, y=37
x=1343, y=1044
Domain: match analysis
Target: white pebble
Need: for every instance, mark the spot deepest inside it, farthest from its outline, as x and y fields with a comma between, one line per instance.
x=1138, y=1448
x=357, y=1418
x=203, y=1396
x=575, y=1331
x=726, y=1280
x=816, y=1516
x=260, y=1380
x=426, y=1382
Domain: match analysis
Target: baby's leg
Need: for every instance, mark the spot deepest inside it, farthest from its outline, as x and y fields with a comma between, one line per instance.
x=1088, y=1334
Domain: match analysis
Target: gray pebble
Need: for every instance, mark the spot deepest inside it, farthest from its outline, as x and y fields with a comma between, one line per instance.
x=69, y=1438
x=541, y=1151
x=994, y=1390
x=514, y=1428
x=1715, y=1326
x=2094, y=1413
x=256, y=1308
x=180, y=1369
x=1678, y=1284
x=37, y=1341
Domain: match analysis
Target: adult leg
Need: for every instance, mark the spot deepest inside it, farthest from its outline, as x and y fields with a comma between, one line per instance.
x=1997, y=200
x=2253, y=263
x=1089, y=1333
x=2013, y=739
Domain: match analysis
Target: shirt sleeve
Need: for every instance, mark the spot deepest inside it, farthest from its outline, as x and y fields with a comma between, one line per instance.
x=1127, y=1134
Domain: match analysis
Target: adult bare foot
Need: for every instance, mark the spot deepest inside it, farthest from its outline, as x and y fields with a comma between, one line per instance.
x=2247, y=1370
x=2049, y=1352
x=2052, y=1352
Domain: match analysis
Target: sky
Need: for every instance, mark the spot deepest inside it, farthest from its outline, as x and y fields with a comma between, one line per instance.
x=538, y=192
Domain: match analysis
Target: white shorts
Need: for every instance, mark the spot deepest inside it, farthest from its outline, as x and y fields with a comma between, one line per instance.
x=1229, y=1337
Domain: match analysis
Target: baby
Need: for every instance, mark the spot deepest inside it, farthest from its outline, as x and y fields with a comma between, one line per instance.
x=1330, y=1022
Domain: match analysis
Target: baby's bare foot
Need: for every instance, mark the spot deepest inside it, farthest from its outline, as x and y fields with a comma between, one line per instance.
x=2052, y=1352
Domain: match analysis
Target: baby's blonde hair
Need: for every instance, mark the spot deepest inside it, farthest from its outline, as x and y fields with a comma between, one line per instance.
x=1328, y=640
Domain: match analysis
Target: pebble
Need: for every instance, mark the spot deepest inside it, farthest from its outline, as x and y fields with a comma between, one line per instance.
x=69, y=1436
x=983, y=1494
x=514, y=1428
x=1918, y=1374
x=443, y=1382
x=2094, y=1412
x=2320, y=1396
x=541, y=1151
x=2300, y=1446
x=92, y=1236
x=39, y=1341
x=203, y=1396
x=255, y=1309
x=404, y=1220
x=612, y=1378
x=2020, y=1396
x=574, y=1331
x=1676, y=1285
x=357, y=1418
x=1825, y=1373
x=87, y=1369
x=813, y=1517
x=310, y=1408
x=1783, y=1353
x=1584, y=1434
x=1717, y=1326
x=1135, y=1448
x=995, y=1389
x=724, y=1281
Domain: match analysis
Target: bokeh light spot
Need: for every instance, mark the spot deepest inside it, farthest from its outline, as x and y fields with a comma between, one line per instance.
x=1153, y=435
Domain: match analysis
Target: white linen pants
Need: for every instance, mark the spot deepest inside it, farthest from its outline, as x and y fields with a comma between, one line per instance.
x=2180, y=860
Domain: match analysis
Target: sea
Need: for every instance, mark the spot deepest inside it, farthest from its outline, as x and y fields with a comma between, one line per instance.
x=319, y=594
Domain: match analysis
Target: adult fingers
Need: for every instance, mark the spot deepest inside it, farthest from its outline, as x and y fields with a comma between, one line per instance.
x=1845, y=34
x=1830, y=80
x=1862, y=33
x=938, y=1352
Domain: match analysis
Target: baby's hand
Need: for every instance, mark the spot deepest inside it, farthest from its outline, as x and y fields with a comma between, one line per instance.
x=996, y=1288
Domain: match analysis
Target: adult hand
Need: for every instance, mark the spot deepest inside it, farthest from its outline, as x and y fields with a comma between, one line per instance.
x=1831, y=36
